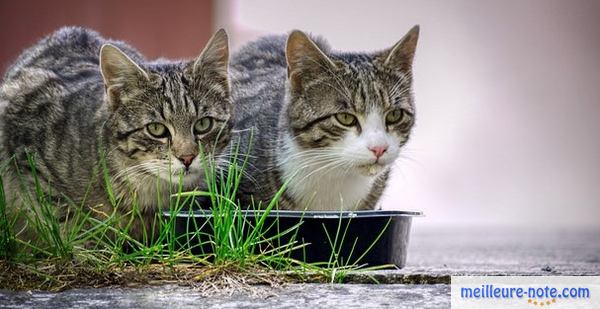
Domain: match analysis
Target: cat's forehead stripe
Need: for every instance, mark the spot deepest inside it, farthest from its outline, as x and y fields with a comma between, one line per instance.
x=368, y=93
x=176, y=96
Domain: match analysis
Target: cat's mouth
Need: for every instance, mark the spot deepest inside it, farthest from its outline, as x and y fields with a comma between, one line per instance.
x=371, y=169
x=187, y=172
x=188, y=176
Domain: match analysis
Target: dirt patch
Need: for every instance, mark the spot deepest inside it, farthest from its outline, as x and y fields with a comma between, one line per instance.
x=209, y=280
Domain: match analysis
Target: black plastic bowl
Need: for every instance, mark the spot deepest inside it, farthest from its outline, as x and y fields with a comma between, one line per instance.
x=376, y=237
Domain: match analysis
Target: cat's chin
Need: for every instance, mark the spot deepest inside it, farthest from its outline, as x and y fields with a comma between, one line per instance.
x=371, y=170
x=191, y=178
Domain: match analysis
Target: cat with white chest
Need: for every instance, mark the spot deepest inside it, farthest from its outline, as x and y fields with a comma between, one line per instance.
x=328, y=124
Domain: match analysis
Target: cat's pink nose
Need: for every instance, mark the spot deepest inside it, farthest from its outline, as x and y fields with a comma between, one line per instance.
x=378, y=151
x=187, y=159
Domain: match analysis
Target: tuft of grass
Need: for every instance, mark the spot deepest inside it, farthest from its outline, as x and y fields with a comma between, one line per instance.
x=235, y=237
x=7, y=237
x=42, y=217
x=336, y=269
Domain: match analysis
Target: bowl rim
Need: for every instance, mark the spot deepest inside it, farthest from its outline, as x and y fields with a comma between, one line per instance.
x=324, y=214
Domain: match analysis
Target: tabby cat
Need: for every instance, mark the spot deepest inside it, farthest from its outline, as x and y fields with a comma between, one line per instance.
x=84, y=107
x=328, y=124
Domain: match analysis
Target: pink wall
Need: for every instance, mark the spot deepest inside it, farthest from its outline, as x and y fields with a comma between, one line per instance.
x=157, y=28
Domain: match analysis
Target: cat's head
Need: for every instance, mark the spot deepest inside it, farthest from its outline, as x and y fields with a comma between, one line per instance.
x=353, y=109
x=161, y=113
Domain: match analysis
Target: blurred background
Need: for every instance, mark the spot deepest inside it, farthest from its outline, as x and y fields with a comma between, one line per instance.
x=507, y=92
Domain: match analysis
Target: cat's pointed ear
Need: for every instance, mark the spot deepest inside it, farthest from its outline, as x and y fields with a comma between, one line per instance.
x=118, y=71
x=117, y=68
x=213, y=62
x=304, y=58
x=401, y=56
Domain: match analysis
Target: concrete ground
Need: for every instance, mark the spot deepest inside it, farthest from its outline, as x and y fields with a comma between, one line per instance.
x=434, y=255
x=292, y=296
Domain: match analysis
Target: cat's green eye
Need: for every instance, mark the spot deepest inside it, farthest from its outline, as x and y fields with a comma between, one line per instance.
x=203, y=125
x=157, y=130
x=394, y=116
x=346, y=119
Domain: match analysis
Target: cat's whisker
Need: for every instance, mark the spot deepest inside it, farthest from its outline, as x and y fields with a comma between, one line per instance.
x=306, y=156
x=325, y=167
x=323, y=164
x=138, y=166
x=308, y=163
x=141, y=168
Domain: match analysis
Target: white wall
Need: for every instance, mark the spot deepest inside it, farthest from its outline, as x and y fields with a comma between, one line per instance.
x=508, y=100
